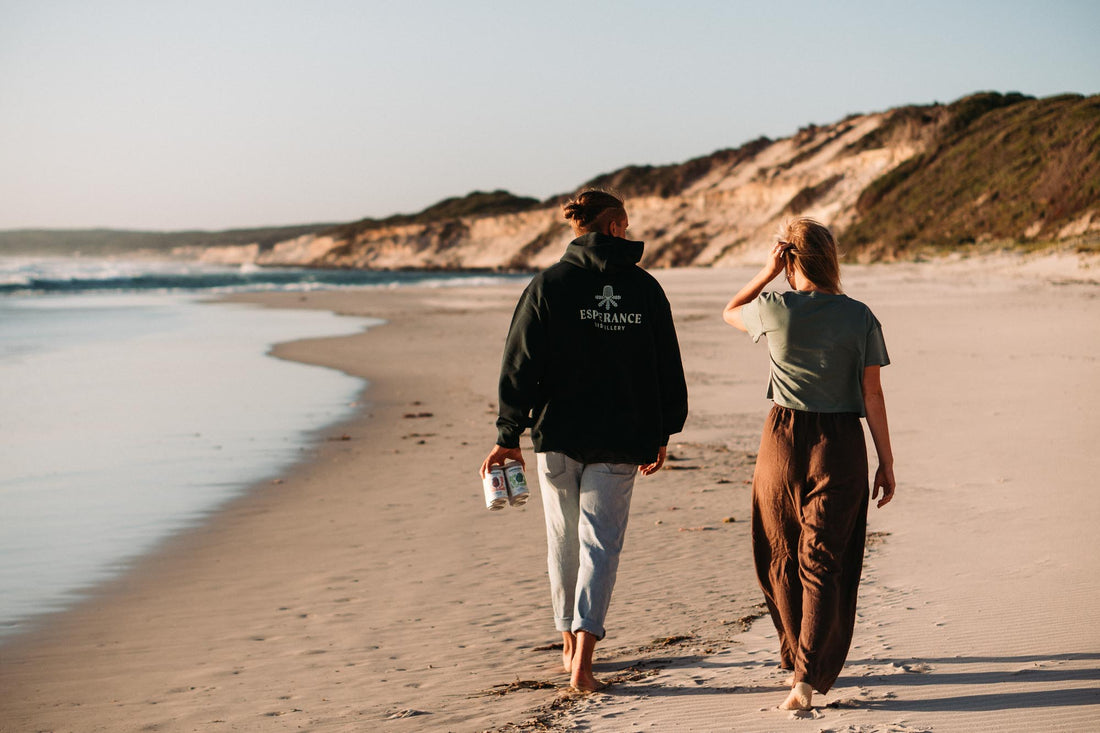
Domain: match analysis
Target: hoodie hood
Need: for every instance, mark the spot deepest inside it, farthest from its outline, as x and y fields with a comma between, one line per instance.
x=595, y=251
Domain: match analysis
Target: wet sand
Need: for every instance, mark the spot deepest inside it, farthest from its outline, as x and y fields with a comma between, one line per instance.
x=369, y=589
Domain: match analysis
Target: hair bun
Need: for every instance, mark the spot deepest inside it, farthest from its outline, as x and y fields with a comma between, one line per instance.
x=593, y=209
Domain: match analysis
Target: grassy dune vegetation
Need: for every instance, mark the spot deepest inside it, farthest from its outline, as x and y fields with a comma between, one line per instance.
x=1006, y=169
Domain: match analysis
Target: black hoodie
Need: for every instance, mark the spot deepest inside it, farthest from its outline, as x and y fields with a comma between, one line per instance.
x=591, y=363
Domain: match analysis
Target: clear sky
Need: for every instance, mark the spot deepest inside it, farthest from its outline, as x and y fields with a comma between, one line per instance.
x=198, y=114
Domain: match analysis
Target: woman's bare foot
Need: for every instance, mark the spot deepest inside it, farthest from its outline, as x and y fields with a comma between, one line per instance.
x=568, y=644
x=580, y=676
x=801, y=697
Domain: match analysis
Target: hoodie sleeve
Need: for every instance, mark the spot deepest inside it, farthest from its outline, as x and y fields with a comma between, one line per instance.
x=521, y=368
x=670, y=372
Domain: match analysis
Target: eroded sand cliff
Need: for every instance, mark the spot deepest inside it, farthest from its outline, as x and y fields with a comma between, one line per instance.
x=985, y=168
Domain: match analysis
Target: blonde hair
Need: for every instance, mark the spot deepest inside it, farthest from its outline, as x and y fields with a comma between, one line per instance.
x=813, y=251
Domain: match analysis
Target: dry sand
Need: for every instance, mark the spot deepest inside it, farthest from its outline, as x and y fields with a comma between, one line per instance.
x=369, y=589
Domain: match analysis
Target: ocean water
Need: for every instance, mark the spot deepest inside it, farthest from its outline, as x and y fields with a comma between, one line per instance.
x=130, y=408
x=79, y=275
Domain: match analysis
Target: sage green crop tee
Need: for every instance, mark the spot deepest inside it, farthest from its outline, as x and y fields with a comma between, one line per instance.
x=819, y=345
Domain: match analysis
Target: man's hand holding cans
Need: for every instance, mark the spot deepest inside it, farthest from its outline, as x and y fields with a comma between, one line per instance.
x=500, y=455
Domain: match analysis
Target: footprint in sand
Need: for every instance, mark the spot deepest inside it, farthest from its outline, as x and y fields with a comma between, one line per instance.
x=804, y=715
x=407, y=713
x=846, y=702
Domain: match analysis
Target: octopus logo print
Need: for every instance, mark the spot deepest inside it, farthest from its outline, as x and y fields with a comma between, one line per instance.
x=608, y=299
x=605, y=319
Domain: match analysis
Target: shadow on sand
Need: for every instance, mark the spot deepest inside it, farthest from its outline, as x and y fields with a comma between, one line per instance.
x=938, y=673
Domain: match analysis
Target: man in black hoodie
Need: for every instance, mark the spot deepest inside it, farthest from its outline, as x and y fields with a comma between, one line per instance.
x=592, y=366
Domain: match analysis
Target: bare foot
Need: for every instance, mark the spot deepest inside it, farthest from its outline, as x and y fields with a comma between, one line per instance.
x=568, y=644
x=801, y=698
x=581, y=677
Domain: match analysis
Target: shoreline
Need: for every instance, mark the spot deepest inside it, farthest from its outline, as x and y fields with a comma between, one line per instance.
x=371, y=582
x=134, y=416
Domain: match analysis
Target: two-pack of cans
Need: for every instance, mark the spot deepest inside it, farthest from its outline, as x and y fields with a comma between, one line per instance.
x=505, y=484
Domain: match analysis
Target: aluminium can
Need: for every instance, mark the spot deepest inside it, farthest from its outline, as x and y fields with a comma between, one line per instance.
x=518, y=494
x=496, y=489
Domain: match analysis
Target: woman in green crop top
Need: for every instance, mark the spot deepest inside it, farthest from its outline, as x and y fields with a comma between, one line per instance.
x=810, y=492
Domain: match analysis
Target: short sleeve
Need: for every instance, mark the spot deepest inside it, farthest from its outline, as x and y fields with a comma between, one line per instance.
x=874, y=353
x=753, y=318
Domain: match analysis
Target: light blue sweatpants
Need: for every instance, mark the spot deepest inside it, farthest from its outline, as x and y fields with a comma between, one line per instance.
x=586, y=506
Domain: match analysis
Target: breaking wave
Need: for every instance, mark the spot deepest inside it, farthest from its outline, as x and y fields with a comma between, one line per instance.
x=65, y=275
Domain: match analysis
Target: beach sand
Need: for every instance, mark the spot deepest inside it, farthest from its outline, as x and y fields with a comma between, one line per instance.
x=369, y=589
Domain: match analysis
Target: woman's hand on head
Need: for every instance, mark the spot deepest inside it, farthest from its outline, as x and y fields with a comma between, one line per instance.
x=777, y=259
x=777, y=263
x=884, y=479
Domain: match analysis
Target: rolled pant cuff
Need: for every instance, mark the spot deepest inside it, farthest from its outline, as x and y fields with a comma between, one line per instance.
x=563, y=624
x=589, y=628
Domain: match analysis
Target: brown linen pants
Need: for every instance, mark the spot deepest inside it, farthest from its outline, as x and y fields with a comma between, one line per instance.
x=809, y=525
